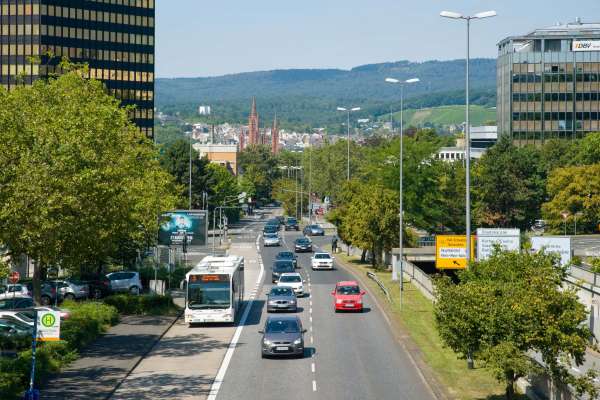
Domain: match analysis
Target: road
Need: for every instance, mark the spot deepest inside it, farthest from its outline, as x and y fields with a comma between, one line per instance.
x=348, y=356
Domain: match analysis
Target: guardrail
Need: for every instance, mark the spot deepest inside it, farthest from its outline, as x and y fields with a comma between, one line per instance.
x=374, y=277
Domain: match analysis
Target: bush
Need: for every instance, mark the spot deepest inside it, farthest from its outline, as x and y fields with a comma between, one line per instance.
x=87, y=321
x=141, y=305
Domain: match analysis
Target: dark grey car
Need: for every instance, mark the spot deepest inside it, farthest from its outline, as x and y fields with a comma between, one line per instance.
x=281, y=267
x=282, y=299
x=282, y=336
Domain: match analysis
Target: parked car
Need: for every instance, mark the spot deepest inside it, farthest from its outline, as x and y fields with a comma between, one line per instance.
x=292, y=280
x=347, y=296
x=281, y=298
x=321, y=261
x=98, y=285
x=14, y=290
x=271, y=239
x=30, y=311
x=313, y=230
x=291, y=224
x=16, y=303
x=74, y=290
x=281, y=267
x=302, y=244
x=51, y=293
x=12, y=328
x=18, y=315
x=283, y=335
x=126, y=281
x=287, y=255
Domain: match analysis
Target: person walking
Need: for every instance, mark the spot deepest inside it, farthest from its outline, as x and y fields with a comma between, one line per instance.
x=334, y=244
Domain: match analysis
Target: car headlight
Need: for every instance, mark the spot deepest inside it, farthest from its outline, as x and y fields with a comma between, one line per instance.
x=338, y=301
x=272, y=302
x=267, y=342
x=359, y=301
x=292, y=301
x=298, y=341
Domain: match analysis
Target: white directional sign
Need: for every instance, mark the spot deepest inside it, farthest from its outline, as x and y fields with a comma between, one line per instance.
x=487, y=238
x=48, y=326
x=553, y=244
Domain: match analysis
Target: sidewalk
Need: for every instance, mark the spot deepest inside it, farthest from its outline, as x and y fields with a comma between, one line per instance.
x=106, y=363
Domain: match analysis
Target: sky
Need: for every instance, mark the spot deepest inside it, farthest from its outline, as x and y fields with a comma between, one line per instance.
x=198, y=38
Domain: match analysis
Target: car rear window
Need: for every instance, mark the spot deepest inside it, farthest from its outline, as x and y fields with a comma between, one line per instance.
x=284, y=266
x=350, y=289
x=286, y=325
x=290, y=279
x=326, y=256
x=281, y=291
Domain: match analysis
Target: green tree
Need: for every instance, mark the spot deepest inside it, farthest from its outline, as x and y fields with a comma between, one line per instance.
x=575, y=190
x=259, y=167
x=509, y=186
x=510, y=306
x=224, y=189
x=284, y=191
x=77, y=178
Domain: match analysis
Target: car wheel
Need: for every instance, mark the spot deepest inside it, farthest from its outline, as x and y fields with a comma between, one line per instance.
x=262, y=355
x=134, y=290
x=69, y=296
x=97, y=294
x=46, y=300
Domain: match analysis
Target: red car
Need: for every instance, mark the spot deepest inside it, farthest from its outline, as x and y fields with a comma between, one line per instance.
x=347, y=296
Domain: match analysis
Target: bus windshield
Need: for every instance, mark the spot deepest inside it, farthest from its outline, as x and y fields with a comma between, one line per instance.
x=209, y=292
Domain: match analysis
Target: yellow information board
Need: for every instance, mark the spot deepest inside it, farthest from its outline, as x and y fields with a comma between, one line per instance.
x=451, y=251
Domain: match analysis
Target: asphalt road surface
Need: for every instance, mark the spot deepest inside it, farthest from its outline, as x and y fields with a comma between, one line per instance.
x=347, y=356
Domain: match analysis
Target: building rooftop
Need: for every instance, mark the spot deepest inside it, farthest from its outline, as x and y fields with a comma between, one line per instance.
x=576, y=29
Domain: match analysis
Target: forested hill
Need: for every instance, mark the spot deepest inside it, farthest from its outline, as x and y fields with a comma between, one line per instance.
x=310, y=96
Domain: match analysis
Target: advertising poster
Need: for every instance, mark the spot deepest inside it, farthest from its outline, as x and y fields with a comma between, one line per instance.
x=177, y=225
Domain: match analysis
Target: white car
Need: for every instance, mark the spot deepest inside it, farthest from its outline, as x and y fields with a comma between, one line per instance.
x=271, y=239
x=14, y=290
x=18, y=316
x=293, y=280
x=321, y=261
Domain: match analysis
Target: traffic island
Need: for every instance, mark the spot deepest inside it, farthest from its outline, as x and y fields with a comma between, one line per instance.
x=415, y=328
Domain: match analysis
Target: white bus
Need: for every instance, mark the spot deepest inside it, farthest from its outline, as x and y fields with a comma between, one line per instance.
x=214, y=290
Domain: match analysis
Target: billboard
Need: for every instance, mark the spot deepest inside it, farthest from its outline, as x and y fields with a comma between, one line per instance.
x=451, y=251
x=586, y=45
x=176, y=225
x=487, y=238
x=553, y=244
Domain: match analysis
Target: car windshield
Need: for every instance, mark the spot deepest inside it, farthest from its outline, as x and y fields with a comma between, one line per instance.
x=292, y=221
x=283, y=266
x=24, y=317
x=270, y=235
x=281, y=291
x=302, y=241
x=322, y=256
x=209, y=292
x=285, y=255
x=314, y=227
x=282, y=326
x=350, y=289
x=291, y=278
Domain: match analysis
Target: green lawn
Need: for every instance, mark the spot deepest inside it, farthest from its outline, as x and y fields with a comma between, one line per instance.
x=447, y=115
x=418, y=320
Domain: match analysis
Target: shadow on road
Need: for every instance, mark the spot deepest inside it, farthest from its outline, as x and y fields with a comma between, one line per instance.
x=165, y=386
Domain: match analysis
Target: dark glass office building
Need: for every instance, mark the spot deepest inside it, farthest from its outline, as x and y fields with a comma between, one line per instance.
x=548, y=83
x=114, y=37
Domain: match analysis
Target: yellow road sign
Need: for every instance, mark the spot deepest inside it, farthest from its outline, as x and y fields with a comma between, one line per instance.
x=451, y=251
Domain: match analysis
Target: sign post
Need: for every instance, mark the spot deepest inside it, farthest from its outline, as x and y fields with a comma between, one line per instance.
x=487, y=238
x=46, y=327
x=451, y=251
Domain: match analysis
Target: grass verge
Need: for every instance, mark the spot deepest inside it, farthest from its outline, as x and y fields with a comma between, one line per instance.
x=417, y=318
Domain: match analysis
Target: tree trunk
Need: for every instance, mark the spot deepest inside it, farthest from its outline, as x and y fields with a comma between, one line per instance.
x=363, y=256
x=510, y=385
x=37, y=283
x=373, y=257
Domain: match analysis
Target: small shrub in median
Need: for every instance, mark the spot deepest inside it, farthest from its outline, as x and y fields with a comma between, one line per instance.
x=87, y=321
x=141, y=305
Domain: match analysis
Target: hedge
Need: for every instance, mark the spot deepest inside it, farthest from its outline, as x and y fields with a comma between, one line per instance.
x=141, y=305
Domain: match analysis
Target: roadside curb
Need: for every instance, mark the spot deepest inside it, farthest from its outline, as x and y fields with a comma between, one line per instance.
x=401, y=336
x=144, y=355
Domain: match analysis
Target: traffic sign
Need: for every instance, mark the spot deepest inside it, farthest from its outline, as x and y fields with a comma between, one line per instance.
x=451, y=251
x=14, y=277
x=488, y=238
x=48, y=326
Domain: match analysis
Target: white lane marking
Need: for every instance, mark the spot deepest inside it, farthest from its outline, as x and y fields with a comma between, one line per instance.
x=312, y=367
x=314, y=386
x=311, y=328
x=310, y=303
x=310, y=310
x=312, y=340
x=216, y=385
x=310, y=320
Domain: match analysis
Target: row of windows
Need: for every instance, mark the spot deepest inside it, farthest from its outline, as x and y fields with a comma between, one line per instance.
x=556, y=116
x=523, y=97
x=529, y=136
x=24, y=9
x=97, y=73
x=130, y=3
x=97, y=16
x=537, y=78
x=133, y=95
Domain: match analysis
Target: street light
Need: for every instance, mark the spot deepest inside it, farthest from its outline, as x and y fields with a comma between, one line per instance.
x=468, y=18
x=348, y=110
x=401, y=163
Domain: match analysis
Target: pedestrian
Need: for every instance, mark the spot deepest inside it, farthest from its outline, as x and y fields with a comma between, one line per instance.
x=334, y=244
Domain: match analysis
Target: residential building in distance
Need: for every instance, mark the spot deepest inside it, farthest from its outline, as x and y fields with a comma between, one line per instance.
x=548, y=83
x=114, y=37
x=222, y=154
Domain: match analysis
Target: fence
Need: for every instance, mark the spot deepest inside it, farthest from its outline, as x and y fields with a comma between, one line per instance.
x=419, y=279
x=380, y=284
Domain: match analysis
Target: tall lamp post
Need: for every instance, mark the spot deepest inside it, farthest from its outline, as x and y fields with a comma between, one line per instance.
x=468, y=18
x=348, y=110
x=401, y=172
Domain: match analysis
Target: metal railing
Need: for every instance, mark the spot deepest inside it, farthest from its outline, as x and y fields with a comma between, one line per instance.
x=374, y=277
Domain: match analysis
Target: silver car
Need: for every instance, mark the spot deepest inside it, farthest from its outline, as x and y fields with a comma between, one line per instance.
x=271, y=239
x=125, y=282
x=282, y=299
x=74, y=290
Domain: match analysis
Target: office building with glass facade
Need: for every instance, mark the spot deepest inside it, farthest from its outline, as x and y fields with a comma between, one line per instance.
x=548, y=83
x=114, y=37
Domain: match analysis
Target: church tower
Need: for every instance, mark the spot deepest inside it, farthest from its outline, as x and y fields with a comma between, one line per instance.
x=275, y=136
x=253, y=134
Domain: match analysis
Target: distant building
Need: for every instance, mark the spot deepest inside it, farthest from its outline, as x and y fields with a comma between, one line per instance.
x=223, y=154
x=483, y=137
x=548, y=83
x=115, y=39
x=275, y=137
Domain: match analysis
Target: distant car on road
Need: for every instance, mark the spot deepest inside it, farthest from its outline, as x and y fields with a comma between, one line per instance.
x=287, y=255
x=282, y=336
x=281, y=267
x=302, y=244
x=270, y=229
x=321, y=261
x=271, y=239
x=347, y=296
x=292, y=280
x=291, y=224
x=125, y=281
x=281, y=298
x=313, y=230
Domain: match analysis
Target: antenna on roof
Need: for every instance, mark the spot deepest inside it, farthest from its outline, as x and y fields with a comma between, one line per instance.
x=578, y=21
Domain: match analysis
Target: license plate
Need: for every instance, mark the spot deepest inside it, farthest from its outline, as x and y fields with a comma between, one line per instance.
x=348, y=305
x=281, y=305
x=282, y=348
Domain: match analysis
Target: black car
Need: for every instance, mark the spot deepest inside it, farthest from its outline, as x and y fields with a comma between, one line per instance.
x=99, y=285
x=302, y=244
x=287, y=255
x=17, y=302
x=282, y=299
x=281, y=267
x=291, y=224
x=282, y=336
